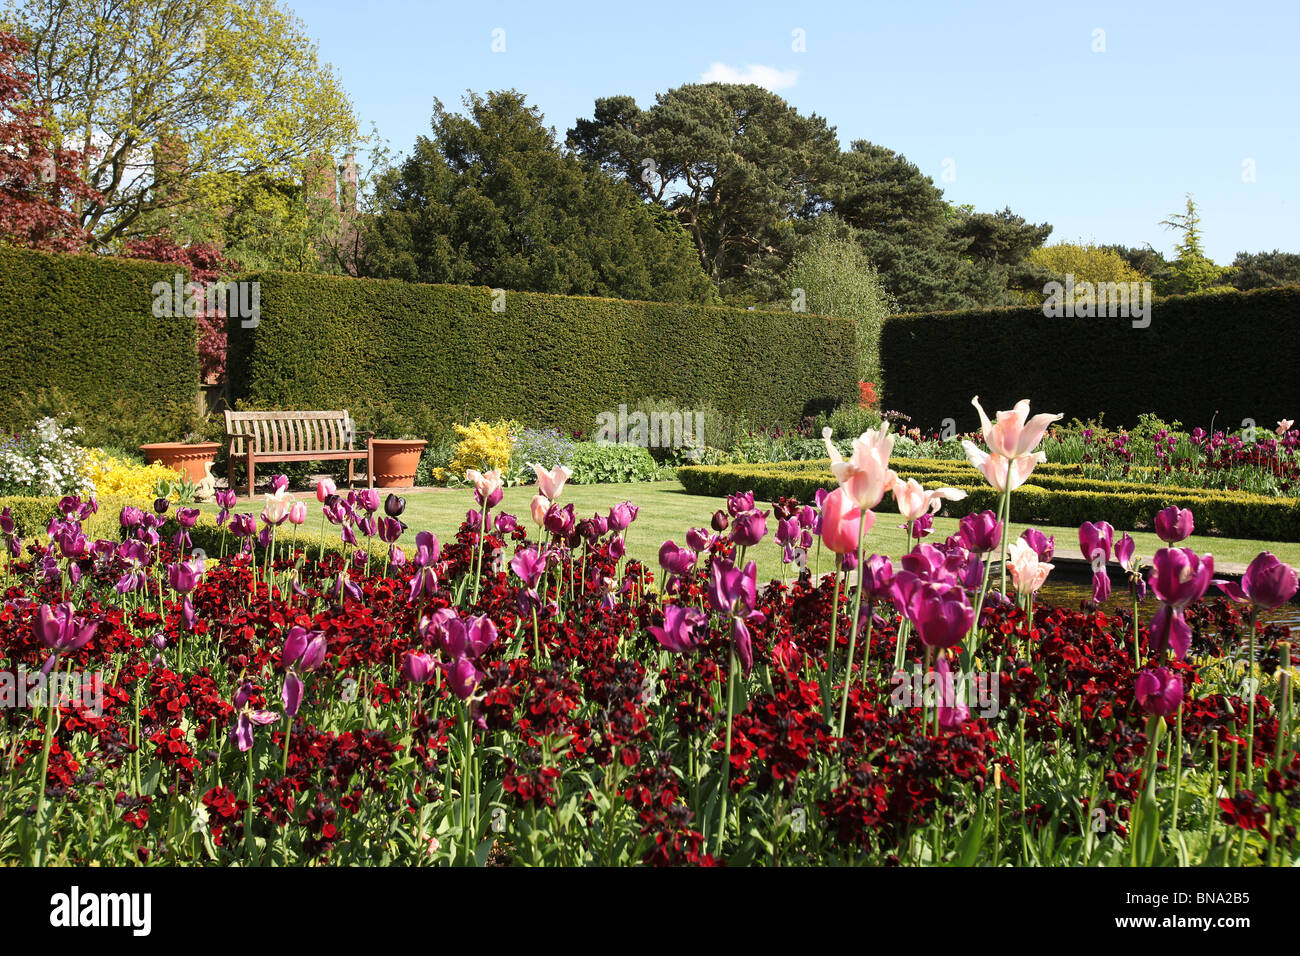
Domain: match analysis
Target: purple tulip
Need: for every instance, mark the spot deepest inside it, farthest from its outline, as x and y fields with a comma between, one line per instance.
x=279, y=483
x=185, y=576
x=720, y=521
x=1096, y=540
x=561, y=521
x=1044, y=545
x=463, y=677
x=699, y=540
x=389, y=529
x=1159, y=691
x=506, y=523
x=740, y=503
x=528, y=565
x=291, y=693
x=394, y=506
x=417, y=667
x=7, y=521
x=951, y=713
x=1179, y=576
x=1268, y=583
x=622, y=515
x=980, y=533
x=877, y=578
x=684, y=628
x=730, y=587
x=942, y=614
x=675, y=560
x=1174, y=524
x=304, y=648
x=61, y=631
x=130, y=517
x=368, y=499
x=749, y=528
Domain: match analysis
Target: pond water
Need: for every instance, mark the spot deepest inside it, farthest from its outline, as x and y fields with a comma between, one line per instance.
x=1069, y=593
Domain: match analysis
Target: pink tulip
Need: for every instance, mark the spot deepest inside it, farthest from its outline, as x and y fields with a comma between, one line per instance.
x=485, y=484
x=324, y=488
x=951, y=712
x=914, y=501
x=551, y=483
x=1028, y=571
x=841, y=521
x=994, y=467
x=297, y=513
x=541, y=504
x=866, y=475
x=1015, y=435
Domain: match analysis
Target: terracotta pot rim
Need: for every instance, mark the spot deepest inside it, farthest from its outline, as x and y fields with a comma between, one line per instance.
x=398, y=441
x=205, y=445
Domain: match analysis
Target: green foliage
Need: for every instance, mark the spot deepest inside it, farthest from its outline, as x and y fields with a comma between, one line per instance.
x=1055, y=497
x=1199, y=359
x=594, y=463
x=721, y=431
x=491, y=199
x=848, y=421
x=1193, y=270
x=216, y=90
x=81, y=340
x=730, y=161
x=838, y=279
x=1260, y=270
x=1086, y=262
x=333, y=342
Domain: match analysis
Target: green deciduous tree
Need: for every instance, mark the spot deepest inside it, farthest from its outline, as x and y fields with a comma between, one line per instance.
x=491, y=199
x=831, y=275
x=174, y=105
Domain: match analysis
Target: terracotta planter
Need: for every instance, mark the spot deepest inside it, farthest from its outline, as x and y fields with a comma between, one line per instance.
x=396, y=461
x=189, y=460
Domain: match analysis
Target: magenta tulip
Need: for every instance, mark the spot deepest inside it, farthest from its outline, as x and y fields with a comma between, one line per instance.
x=1174, y=524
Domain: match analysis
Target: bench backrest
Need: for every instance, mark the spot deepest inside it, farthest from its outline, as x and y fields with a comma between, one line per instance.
x=273, y=432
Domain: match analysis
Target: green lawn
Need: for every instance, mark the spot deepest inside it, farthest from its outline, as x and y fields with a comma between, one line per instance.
x=667, y=511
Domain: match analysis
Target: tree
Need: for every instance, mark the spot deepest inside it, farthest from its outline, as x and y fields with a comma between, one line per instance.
x=1193, y=270
x=491, y=199
x=832, y=276
x=173, y=105
x=735, y=164
x=206, y=265
x=1258, y=270
x=905, y=227
x=1085, y=263
x=1146, y=260
x=37, y=180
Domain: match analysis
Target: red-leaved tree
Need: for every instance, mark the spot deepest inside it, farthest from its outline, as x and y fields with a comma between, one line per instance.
x=206, y=265
x=38, y=183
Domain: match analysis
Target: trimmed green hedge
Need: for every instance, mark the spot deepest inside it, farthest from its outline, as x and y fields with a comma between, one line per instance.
x=338, y=342
x=1048, y=499
x=84, y=326
x=1223, y=356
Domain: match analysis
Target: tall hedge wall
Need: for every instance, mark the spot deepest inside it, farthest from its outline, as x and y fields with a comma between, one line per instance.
x=337, y=342
x=1232, y=353
x=84, y=325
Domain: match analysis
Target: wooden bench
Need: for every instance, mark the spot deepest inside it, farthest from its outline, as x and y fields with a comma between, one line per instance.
x=293, y=436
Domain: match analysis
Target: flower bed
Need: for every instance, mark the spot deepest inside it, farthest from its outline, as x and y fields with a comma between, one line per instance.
x=521, y=696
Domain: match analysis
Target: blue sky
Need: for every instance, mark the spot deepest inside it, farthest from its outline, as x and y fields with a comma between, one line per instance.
x=1185, y=97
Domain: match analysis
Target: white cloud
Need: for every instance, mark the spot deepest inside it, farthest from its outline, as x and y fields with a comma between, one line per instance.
x=768, y=77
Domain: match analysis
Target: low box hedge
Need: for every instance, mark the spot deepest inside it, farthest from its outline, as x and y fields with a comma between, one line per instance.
x=1067, y=503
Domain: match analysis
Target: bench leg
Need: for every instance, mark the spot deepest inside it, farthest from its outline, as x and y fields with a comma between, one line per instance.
x=230, y=471
x=351, y=478
x=370, y=465
x=252, y=466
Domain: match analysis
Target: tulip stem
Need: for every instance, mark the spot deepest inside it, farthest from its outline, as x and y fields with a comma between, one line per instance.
x=853, y=634
x=830, y=650
x=41, y=822
x=1250, y=689
x=726, y=764
x=1006, y=520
